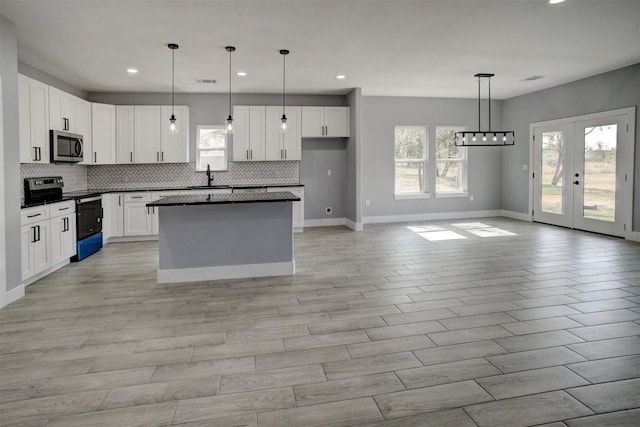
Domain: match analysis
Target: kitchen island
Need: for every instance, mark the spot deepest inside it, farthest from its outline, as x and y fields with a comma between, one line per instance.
x=225, y=236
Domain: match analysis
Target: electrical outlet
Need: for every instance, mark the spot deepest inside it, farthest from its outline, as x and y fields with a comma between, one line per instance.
x=328, y=172
x=471, y=197
x=328, y=210
x=525, y=167
x=367, y=202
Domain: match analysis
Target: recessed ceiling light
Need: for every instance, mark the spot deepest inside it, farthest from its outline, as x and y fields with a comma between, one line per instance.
x=341, y=77
x=242, y=74
x=132, y=70
x=555, y=1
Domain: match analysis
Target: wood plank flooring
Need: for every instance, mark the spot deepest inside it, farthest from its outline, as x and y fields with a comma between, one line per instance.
x=539, y=325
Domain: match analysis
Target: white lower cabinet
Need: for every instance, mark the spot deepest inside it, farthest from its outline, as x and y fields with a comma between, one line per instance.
x=298, y=207
x=113, y=221
x=137, y=216
x=47, y=238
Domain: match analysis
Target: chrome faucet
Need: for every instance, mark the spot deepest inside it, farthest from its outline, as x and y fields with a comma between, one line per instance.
x=209, y=176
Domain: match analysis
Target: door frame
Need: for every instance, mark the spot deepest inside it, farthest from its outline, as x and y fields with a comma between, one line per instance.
x=628, y=187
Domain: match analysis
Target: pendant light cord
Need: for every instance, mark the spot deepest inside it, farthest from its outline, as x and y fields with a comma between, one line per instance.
x=284, y=72
x=230, y=82
x=173, y=79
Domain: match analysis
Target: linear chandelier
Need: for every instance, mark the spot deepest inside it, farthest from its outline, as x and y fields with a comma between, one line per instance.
x=485, y=138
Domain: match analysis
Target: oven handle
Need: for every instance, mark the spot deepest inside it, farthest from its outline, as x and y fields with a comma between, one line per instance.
x=90, y=199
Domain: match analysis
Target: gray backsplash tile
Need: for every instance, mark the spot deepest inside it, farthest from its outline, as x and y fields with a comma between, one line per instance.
x=74, y=176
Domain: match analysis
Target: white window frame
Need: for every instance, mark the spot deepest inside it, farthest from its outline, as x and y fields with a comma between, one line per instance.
x=425, y=160
x=200, y=150
x=464, y=192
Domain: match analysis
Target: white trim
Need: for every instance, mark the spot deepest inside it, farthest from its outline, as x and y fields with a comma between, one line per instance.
x=634, y=236
x=355, y=226
x=226, y=272
x=516, y=215
x=14, y=294
x=602, y=114
x=411, y=196
x=429, y=217
x=124, y=239
x=4, y=294
x=324, y=222
x=452, y=194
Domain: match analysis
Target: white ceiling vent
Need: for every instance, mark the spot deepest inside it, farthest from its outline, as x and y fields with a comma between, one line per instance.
x=532, y=78
x=206, y=81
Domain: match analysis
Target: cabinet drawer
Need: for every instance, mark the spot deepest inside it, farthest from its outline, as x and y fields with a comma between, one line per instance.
x=137, y=197
x=35, y=214
x=63, y=208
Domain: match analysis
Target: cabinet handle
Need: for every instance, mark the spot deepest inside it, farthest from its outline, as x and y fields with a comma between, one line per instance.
x=63, y=209
x=38, y=230
x=137, y=197
x=64, y=224
x=148, y=210
x=119, y=200
x=95, y=157
x=34, y=234
x=247, y=155
x=285, y=153
x=131, y=156
x=34, y=215
x=162, y=156
x=251, y=154
x=157, y=156
x=281, y=153
x=35, y=154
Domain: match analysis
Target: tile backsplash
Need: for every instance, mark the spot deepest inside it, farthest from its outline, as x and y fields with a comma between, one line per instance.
x=78, y=177
x=184, y=174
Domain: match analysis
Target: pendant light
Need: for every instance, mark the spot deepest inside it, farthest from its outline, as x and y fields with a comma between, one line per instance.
x=485, y=138
x=173, y=128
x=230, y=49
x=284, y=53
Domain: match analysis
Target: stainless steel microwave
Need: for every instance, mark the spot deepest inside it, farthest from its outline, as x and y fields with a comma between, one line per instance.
x=65, y=147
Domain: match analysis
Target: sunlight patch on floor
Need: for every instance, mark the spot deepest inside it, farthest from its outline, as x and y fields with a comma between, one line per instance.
x=435, y=233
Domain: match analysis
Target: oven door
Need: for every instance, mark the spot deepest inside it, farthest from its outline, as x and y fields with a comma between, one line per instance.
x=89, y=216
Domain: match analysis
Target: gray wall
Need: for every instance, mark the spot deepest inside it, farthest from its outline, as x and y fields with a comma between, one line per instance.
x=317, y=155
x=47, y=78
x=379, y=117
x=10, y=150
x=353, y=185
x=321, y=190
x=607, y=91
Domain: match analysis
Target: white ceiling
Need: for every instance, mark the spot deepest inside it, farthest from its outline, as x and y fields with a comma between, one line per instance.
x=386, y=47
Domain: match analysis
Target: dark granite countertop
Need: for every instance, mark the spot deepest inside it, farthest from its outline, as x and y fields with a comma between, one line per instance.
x=73, y=195
x=223, y=199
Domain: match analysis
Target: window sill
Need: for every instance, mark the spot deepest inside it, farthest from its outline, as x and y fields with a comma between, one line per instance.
x=452, y=194
x=412, y=196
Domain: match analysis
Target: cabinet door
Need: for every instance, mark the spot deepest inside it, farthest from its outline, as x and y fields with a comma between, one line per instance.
x=80, y=123
x=273, y=135
x=174, y=148
x=116, y=210
x=240, y=133
x=39, y=101
x=336, y=121
x=312, y=121
x=27, y=155
x=58, y=225
x=56, y=109
x=41, y=248
x=26, y=246
x=292, y=138
x=147, y=134
x=103, y=129
x=257, y=133
x=137, y=219
x=70, y=237
x=124, y=133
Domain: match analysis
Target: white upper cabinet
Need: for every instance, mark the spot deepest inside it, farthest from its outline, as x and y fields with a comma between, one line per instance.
x=174, y=148
x=248, y=133
x=103, y=129
x=152, y=141
x=33, y=100
x=81, y=125
x=124, y=134
x=71, y=114
x=147, y=134
x=318, y=122
x=279, y=145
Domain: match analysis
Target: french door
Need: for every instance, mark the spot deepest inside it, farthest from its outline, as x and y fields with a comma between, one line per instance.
x=583, y=172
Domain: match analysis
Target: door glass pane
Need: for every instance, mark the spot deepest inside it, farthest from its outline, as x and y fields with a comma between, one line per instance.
x=599, y=180
x=552, y=187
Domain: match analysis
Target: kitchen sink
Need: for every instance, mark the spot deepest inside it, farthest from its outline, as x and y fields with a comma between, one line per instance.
x=205, y=187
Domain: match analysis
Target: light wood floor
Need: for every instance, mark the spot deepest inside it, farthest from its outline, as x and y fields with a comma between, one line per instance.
x=378, y=328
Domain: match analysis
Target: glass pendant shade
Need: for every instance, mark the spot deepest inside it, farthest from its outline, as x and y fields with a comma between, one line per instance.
x=173, y=127
x=283, y=125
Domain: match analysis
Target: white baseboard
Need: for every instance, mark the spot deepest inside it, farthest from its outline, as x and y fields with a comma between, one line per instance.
x=13, y=295
x=226, y=272
x=325, y=222
x=355, y=226
x=634, y=236
x=428, y=216
x=42, y=274
x=516, y=215
x=124, y=239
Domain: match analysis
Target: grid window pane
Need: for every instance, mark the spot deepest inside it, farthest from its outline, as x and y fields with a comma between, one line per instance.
x=410, y=159
x=212, y=138
x=211, y=149
x=451, y=162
